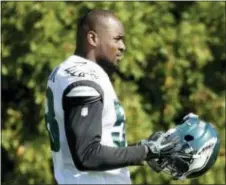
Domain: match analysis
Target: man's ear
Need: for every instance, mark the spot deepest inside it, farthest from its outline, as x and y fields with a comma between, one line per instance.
x=92, y=38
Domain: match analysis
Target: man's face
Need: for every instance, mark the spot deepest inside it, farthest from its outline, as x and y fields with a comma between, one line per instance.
x=111, y=41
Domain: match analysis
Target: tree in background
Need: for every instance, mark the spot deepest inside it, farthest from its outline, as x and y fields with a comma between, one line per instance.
x=175, y=64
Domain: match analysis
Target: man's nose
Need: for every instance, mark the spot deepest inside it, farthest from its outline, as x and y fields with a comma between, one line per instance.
x=122, y=46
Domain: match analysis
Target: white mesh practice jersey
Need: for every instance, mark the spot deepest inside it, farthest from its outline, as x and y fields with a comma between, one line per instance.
x=73, y=78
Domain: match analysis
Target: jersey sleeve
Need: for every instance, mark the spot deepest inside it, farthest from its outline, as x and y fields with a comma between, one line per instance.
x=80, y=79
x=81, y=92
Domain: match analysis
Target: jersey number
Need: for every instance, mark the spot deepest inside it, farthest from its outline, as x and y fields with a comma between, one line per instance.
x=51, y=123
x=118, y=134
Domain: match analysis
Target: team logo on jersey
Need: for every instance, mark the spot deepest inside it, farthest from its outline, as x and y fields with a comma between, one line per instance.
x=84, y=111
x=73, y=71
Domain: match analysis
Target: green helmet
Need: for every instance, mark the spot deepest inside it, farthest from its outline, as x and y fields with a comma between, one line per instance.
x=200, y=145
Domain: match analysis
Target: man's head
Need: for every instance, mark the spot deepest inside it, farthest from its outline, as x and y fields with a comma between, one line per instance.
x=100, y=37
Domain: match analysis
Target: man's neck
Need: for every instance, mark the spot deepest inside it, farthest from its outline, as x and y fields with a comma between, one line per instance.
x=108, y=67
x=90, y=56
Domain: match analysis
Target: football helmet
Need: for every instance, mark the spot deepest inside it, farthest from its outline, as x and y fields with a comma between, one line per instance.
x=200, y=145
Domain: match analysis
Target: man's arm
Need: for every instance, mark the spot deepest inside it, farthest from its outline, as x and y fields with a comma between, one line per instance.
x=83, y=125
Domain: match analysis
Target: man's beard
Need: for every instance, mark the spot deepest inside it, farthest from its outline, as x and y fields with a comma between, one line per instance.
x=108, y=66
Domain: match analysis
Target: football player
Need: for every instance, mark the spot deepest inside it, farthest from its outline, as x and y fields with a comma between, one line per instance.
x=84, y=117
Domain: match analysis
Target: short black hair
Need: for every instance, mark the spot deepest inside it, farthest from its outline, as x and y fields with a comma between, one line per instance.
x=90, y=21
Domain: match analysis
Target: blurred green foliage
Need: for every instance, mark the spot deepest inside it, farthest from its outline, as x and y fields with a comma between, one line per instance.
x=175, y=64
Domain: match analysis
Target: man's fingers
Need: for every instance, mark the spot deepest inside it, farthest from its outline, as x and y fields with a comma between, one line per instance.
x=167, y=145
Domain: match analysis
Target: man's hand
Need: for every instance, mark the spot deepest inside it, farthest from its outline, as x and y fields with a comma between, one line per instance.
x=159, y=147
x=163, y=146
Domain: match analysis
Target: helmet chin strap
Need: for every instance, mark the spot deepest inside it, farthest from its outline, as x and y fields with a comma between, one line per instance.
x=175, y=175
x=183, y=177
x=178, y=165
